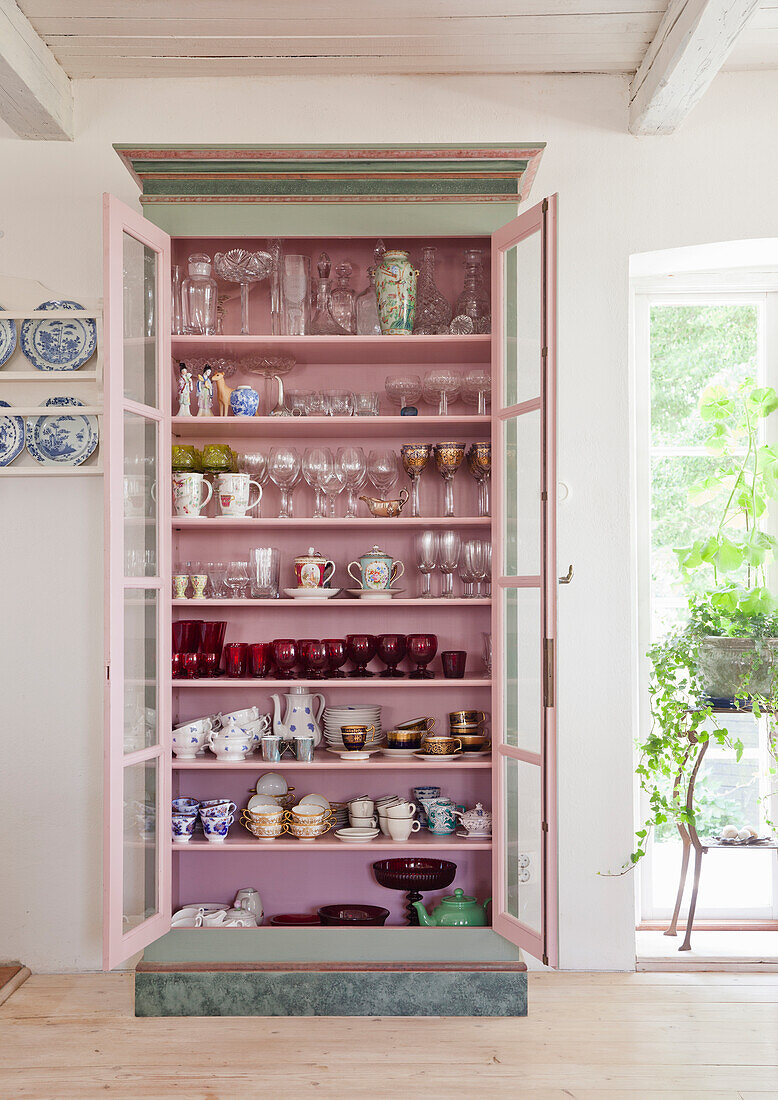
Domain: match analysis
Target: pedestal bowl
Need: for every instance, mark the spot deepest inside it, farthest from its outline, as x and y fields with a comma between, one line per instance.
x=413, y=874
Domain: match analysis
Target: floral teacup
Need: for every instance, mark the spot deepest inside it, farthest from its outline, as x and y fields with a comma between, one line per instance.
x=183, y=827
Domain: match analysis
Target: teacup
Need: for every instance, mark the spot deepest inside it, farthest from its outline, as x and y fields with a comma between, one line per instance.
x=401, y=828
x=264, y=815
x=232, y=494
x=401, y=810
x=185, y=805
x=404, y=739
x=441, y=746
x=306, y=831
x=212, y=807
x=187, y=742
x=264, y=828
x=472, y=742
x=355, y=737
x=203, y=725
x=358, y=822
x=216, y=827
x=249, y=714
x=441, y=816
x=309, y=814
x=424, y=725
x=383, y=822
x=363, y=807
x=459, y=717
x=183, y=827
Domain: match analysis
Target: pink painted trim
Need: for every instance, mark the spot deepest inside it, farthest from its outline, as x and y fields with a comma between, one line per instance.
x=118, y=219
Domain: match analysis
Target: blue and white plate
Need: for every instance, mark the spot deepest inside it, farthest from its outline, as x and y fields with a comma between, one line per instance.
x=62, y=440
x=11, y=436
x=59, y=345
x=7, y=339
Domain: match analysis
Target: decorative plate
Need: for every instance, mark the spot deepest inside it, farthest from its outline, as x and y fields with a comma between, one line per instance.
x=11, y=436
x=311, y=593
x=7, y=339
x=63, y=440
x=59, y=345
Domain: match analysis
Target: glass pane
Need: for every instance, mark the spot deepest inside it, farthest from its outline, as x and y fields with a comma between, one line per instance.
x=140, y=321
x=523, y=320
x=140, y=490
x=523, y=473
x=524, y=843
x=140, y=844
x=140, y=669
x=523, y=686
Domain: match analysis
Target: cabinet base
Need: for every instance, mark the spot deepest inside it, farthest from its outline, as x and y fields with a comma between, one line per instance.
x=336, y=989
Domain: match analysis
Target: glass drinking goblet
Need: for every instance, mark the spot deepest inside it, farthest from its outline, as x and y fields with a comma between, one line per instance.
x=466, y=574
x=383, y=469
x=486, y=651
x=366, y=404
x=336, y=656
x=285, y=657
x=415, y=457
x=421, y=650
x=341, y=403
x=440, y=387
x=479, y=463
x=361, y=649
x=317, y=404
x=302, y=649
x=403, y=389
x=283, y=465
x=218, y=575
x=427, y=547
x=477, y=389
x=353, y=465
x=332, y=486
x=317, y=461
x=255, y=465
x=316, y=660
x=475, y=555
x=487, y=548
x=237, y=578
x=245, y=268
x=448, y=560
x=391, y=649
x=264, y=564
x=448, y=459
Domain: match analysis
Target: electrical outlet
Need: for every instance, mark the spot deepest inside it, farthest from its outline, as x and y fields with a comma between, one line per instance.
x=523, y=860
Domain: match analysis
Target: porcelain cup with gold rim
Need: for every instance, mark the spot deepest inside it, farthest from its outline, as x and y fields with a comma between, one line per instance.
x=404, y=739
x=423, y=725
x=466, y=717
x=309, y=814
x=441, y=746
x=264, y=830
x=307, y=832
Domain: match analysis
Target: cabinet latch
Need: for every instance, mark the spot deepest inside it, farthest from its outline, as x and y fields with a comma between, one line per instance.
x=548, y=672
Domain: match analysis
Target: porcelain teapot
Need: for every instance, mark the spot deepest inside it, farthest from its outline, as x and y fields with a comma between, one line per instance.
x=455, y=910
x=301, y=718
x=477, y=820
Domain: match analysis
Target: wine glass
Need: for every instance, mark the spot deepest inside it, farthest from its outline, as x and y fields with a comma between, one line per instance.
x=283, y=465
x=255, y=465
x=421, y=650
x=391, y=650
x=448, y=459
x=427, y=548
x=361, y=649
x=477, y=389
x=218, y=575
x=331, y=486
x=237, y=577
x=383, y=469
x=448, y=559
x=441, y=385
x=353, y=465
x=479, y=463
x=486, y=651
x=403, y=389
x=245, y=268
x=415, y=457
x=466, y=574
x=474, y=555
x=317, y=461
x=487, y=549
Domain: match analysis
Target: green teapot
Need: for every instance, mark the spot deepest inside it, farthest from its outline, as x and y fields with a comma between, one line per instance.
x=456, y=910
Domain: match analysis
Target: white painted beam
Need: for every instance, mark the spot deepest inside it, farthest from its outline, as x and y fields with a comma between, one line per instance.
x=36, y=99
x=692, y=43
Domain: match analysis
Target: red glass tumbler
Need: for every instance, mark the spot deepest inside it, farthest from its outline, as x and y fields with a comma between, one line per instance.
x=189, y=665
x=235, y=657
x=260, y=658
x=208, y=663
x=453, y=661
x=213, y=639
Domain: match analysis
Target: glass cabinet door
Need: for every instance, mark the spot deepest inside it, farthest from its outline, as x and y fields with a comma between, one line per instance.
x=136, y=873
x=524, y=581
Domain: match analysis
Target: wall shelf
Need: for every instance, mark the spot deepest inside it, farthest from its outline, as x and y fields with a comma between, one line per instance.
x=332, y=763
x=336, y=601
x=51, y=471
x=418, y=841
x=355, y=683
x=294, y=427
x=328, y=350
x=222, y=523
x=49, y=375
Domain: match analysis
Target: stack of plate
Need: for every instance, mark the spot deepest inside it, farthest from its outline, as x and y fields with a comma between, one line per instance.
x=356, y=714
x=339, y=817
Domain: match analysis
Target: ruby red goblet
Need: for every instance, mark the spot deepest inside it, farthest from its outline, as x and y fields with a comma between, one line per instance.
x=177, y=666
x=208, y=664
x=315, y=659
x=213, y=638
x=336, y=656
x=235, y=659
x=187, y=635
x=260, y=658
x=285, y=657
x=188, y=666
x=391, y=649
x=421, y=649
x=302, y=645
x=361, y=650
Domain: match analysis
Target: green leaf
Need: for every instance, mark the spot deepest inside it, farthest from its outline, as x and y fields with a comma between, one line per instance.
x=729, y=557
x=716, y=404
x=761, y=402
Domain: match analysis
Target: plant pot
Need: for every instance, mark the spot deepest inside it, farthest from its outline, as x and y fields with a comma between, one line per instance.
x=731, y=665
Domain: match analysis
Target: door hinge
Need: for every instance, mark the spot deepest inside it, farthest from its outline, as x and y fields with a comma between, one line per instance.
x=108, y=672
x=544, y=206
x=548, y=672
x=544, y=353
x=544, y=959
x=544, y=826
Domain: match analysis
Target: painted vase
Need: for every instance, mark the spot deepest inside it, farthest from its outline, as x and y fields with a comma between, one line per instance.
x=244, y=401
x=395, y=282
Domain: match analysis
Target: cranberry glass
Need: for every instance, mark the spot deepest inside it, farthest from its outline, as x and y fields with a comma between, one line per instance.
x=235, y=657
x=285, y=657
x=187, y=635
x=302, y=646
x=336, y=656
x=213, y=639
x=177, y=658
x=208, y=663
x=361, y=650
x=260, y=658
x=391, y=649
x=189, y=665
x=453, y=661
x=421, y=650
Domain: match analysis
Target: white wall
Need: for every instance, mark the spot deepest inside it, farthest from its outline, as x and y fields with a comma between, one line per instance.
x=715, y=179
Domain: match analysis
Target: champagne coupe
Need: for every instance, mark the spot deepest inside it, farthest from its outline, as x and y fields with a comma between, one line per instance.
x=353, y=465
x=403, y=389
x=283, y=465
x=244, y=268
x=317, y=461
x=427, y=547
x=477, y=389
x=448, y=559
x=441, y=385
x=383, y=469
x=479, y=463
x=415, y=457
x=448, y=459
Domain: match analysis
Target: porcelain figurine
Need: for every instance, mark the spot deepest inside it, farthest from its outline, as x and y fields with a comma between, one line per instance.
x=386, y=509
x=301, y=718
x=223, y=393
x=395, y=282
x=377, y=570
x=477, y=820
x=456, y=910
x=184, y=391
x=205, y=392
x=244, y=401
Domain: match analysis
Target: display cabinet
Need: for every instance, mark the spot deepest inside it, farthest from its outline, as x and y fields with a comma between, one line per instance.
x=147, y=876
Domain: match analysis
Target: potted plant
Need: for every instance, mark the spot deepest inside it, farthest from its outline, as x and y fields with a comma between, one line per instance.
x=725, y=655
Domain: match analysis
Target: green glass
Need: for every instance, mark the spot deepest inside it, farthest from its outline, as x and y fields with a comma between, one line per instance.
x=186, y=457
x=219, y=458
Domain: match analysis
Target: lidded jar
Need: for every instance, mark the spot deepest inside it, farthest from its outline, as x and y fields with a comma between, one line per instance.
x=198, y=294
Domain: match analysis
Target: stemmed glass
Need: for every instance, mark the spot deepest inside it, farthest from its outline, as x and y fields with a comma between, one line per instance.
x=218, y=575
x=487, y=546
x=421, y=650
x=486, y=651
x=448, y=560
x=415, y=457
x=283, y=465
x=466, y=574
x=448, y=459
x=237, y=577
x=383, y=469
x=255, y=465
x=477, y=389
x=331, y=486
x=245, y=268
x=317, y=461
x=479, y=463
x=441, y=385
x=427, y=547
x=353, y=465
x=403, y=389
x=474, y=554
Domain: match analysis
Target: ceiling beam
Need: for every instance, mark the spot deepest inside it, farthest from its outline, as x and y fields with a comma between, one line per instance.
x=36, y=99
x=693, y=41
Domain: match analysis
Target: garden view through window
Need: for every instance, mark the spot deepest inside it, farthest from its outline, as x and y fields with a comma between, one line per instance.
x=695, y=344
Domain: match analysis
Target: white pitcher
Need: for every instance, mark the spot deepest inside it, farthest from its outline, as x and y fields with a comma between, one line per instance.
x=301, y=718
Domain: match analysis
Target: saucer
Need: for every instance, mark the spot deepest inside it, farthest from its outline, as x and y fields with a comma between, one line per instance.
x=438, y=758
x=351, y=754
x=399, y=753
x=476, y=754
x=312, y=593
x=377, y=594
x=357, y=836
x=473, y=836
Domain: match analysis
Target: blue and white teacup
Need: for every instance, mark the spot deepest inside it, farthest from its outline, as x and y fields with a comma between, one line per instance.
x=217, y=827
x=217, y=807
x=185, y=805
x=183, y=827
x=187, y=741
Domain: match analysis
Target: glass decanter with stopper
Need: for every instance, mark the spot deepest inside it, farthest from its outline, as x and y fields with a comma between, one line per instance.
x=198, y=297
x=433, y=313
x=342, y=299
x=368, y=323
x=474, y=301
x=322, y=322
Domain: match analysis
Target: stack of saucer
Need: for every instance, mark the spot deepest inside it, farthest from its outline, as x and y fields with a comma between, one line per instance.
x=339, y=815
x=356, y=714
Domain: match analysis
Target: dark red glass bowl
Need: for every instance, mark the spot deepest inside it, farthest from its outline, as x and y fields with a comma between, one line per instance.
x=365, y=916
x=414, y=873
x=295, y=920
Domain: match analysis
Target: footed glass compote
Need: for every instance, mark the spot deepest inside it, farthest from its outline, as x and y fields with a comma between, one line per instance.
x=244, y=268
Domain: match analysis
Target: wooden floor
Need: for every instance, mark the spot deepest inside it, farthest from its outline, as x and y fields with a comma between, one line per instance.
x=641, y=1036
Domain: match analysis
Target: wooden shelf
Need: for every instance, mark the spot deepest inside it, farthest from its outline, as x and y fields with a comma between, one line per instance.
x=223, y=523
x=421, y=841
x=51, y=471
x=294, y=427
x=355, y=684
x=52, y=410
x=49, y=375
x=49, y=315
x=336, y=601
x=331, y=763
x=361, y=351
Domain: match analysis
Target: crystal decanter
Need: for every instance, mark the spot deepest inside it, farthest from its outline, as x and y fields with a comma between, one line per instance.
x=433, y=313
x=323, y=323
x=474, y=302
x=342, y=304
